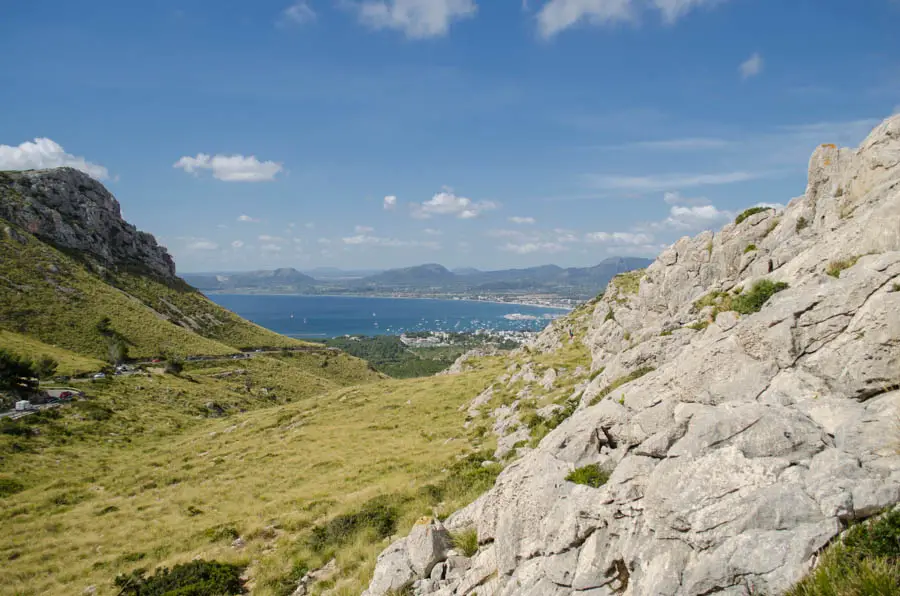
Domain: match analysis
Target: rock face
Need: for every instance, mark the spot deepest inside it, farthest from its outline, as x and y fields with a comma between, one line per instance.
x=738, y=444
x=69, y=209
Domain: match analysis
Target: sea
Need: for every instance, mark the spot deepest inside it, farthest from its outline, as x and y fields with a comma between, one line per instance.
x=334, y=316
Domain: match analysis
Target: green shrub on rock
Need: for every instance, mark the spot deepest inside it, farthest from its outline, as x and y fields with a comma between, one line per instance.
x=753, y=301
x=590, y=475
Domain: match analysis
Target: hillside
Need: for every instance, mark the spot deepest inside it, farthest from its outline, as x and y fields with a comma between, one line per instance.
x=69, y=260
x=740, y=414
x=276, y=280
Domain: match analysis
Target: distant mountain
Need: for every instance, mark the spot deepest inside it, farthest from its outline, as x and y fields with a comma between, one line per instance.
x=285, y=279
x=420, y=275
x=466, y=271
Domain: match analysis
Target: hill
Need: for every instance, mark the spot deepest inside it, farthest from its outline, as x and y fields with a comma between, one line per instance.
x=69, y=260
x=286, y=280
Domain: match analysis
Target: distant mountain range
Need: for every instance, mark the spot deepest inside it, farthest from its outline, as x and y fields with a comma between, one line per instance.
x=427, y=278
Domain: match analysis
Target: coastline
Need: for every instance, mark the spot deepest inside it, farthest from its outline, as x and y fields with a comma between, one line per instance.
x=383, y=297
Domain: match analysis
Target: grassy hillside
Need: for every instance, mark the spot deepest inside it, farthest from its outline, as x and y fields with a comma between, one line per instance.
x=141, y=475
x=58, y=299
x=70, y=363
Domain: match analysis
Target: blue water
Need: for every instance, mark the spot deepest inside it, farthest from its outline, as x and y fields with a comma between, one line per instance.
x=332, y=316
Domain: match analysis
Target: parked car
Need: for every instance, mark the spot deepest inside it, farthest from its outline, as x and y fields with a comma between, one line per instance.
x=99, y=376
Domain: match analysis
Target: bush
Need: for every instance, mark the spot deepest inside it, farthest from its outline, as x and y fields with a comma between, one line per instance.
x=465, y=541
x=379, y=515
x=10, y=486
x=758, y=295
x=609, y=315
x=748, y=212
x=866, y=561
x=750, y=248
x=699, y=325
x=591, y=476
x=835, y=267
x=197, y=578
x=17, y=373
x=45, y=367
x=221, y=533
x=802, y=224
x=173, y=366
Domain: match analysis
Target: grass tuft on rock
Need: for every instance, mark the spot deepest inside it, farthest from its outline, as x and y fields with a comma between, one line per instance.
x=864, y=562
x=748, y=212
x=465, y=541
x=753, y=301
x=835, y=267
x=590, y=475
x=633, y=375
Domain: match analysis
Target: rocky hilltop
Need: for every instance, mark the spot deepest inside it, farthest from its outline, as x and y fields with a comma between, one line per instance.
x=741, y=409
x=70, y=210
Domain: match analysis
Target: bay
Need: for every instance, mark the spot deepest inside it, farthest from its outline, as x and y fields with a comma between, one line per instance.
x=333, y=316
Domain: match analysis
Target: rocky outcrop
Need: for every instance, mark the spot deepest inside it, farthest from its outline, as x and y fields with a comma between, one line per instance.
x=71, y=210
x=741, y=429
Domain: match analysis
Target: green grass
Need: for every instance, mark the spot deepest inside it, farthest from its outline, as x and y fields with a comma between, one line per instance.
x=748, y=212
x=633, y=375
x=835, y=267
x=609, y=315
x=590, y=475
x=57, y=299
x=70, y=363
x=699, y=325
x=864, y=562
x=628, y=283
x=666, y=333
x=753, y=300
x=189, y=579
x=801, y=224
x=749, y=248
x=466, y=541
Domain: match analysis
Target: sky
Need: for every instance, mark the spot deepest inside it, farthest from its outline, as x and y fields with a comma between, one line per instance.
x=484, y=133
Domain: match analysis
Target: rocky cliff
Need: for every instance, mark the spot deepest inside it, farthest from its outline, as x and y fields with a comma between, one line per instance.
x=70, y=210
x=742, y=409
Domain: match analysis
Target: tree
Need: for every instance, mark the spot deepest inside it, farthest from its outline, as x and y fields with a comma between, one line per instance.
x=45, y=367
x=16, y=372
x=117, y=350
x=104, y=327
x=174, y=366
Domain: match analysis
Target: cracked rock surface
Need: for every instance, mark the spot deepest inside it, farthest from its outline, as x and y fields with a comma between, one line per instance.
x=752, y=439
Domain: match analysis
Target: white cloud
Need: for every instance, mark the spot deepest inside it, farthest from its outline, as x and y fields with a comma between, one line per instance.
x=619, y=238
x=564, y=236
x=43, y=153
x=231, y=168
x=696, y=218
x=368, y=240
x=432, y=232
x=752, y=66
x=521, y=220
x=390, y=202
x=417, y=19
x=447, y=203
x=558, y=15
x=237, y=244
x=299, y=13
x=268, y=238
x=662, y=182
x=363, y=229
x=247, y=219
x=533, y=247
x=202, y=245
x=674, y=198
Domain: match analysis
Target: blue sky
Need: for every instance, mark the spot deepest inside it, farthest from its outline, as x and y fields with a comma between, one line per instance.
x=507, y=133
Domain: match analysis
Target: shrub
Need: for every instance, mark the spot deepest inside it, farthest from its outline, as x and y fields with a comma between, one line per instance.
x=758, y=295
x=666, y=333
x=221, y=533
x=379, y=514
x=609, y=315
x=590, y=475
x=465, y=541
x=748, y=212
x=699, y=325
x=835, y=267
x=10, y=486
x=633, y=375
x=802, y=224
x=197, y=578
x=750, y=248
x=174, y=366
x=597, y=373
x=45, y=367
x=865, y=561
x=17, y=373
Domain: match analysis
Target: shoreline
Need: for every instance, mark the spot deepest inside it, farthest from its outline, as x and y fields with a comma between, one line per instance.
x=382, y=297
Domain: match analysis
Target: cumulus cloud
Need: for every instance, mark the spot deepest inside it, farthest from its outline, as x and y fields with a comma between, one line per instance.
x=417, y=19
x=298, y=13
x=231, y=168
x=696, y=218
x=247, y=219
x=752, y=66
x=521, y=220
x=369, y=240
x=448, y=203
x=363, y=229
x=390, y=202
x=202, y=245
x=619, y=238
x=237, y=244
x=558, y=15
x=45, y=153
x=528, y=248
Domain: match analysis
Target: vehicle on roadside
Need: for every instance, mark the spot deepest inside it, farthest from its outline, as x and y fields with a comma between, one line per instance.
x=99, y=375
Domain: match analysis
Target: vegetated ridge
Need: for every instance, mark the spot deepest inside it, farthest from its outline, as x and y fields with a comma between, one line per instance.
x=739, y=412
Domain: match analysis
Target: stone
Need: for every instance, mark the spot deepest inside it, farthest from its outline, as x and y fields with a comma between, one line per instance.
x=427, y=545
